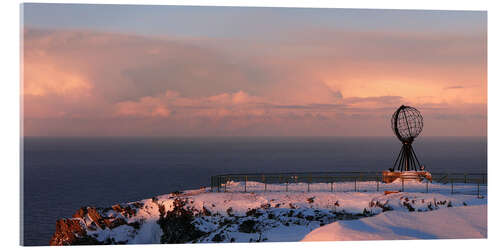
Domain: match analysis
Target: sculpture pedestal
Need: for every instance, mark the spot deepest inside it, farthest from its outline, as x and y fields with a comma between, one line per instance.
x=389, y=177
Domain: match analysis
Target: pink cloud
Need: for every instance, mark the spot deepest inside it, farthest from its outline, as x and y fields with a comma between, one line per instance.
x=204, y=87
x=145, y=107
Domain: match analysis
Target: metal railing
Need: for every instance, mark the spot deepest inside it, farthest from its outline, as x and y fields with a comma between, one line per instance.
x=455, y=183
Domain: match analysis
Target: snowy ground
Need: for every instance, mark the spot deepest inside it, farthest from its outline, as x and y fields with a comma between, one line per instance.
x=256, y=216
x=449, y=223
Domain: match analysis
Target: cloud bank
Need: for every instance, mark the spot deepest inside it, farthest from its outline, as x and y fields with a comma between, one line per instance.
x=319, y=82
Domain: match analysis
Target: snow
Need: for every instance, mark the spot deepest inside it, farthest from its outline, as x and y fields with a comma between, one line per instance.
x=449, y=223
x=293, y=215
x=349, y=202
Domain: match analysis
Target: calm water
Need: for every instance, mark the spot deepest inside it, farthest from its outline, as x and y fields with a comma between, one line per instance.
x=63, y=174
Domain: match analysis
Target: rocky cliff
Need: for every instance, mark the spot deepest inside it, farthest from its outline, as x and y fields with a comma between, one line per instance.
x=201, y=216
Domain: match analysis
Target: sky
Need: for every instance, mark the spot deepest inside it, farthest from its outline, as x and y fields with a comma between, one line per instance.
x=133, y=70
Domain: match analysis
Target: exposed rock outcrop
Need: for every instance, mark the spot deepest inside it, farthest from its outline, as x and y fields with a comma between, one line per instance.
x=72, y=232
x=182, y=218
x=75, y=230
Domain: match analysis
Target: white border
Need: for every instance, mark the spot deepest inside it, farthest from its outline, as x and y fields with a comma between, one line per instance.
x=10, y=107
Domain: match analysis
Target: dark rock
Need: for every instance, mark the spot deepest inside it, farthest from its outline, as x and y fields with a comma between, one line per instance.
x=366, y=213
x=117, y=208
x=117, y=222
x=229, y=211
x=206, y=212
x=408, y=206
x=385, y=207
x=129, y=212
x=177, y=224
x=218, y=237
x=176, y=193
x=254, y=212
x=248, y=226
x=310, y=200
x=226, y=221
x=265, y=206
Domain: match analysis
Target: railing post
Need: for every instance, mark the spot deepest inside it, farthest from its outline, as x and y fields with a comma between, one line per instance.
x=377, y=184
x=265, y=183
x=225, y=184
x=465, y=178
x=478, y=189
x=331, y=186
x=246, y=179
x=451, y=186
x=286, y=185
x=308, y=183
x=355, y=185
x=360, y=180
x=427, y=186
x=218, y=184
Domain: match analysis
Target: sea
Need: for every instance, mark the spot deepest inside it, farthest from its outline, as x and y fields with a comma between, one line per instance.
x=60, y=175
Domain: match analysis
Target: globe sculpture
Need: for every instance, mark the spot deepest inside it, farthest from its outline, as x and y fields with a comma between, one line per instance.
x=407, y=123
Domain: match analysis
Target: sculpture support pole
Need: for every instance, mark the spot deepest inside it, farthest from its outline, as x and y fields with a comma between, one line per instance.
x=412, y=160
x=415, y=155
x=401, y=160
x=407, y=159
x=397, y=159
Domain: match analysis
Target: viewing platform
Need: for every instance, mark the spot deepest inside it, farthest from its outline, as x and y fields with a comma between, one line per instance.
x=459, y=183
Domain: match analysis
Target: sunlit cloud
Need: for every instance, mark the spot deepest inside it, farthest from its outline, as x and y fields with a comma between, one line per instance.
x=119, y=84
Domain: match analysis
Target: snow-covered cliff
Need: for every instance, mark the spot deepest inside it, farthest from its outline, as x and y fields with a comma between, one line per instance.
x=202, y=216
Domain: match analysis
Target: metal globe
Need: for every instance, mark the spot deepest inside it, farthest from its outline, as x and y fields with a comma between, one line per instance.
x=407, y=123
